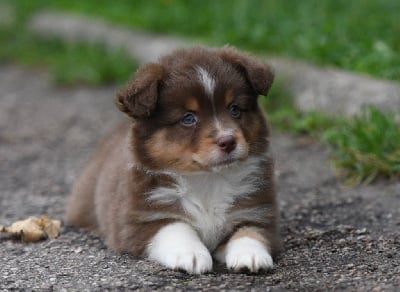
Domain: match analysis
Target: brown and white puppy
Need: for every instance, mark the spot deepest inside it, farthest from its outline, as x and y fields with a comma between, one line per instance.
x=190, y=175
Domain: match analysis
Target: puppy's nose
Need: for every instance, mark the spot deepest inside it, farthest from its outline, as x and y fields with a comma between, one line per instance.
x=226, y=143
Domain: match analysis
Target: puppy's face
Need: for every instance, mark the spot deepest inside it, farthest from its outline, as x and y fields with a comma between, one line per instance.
x=197, y=110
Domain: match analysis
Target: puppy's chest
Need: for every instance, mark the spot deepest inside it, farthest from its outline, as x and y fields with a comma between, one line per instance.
x=207, y=205
x=208, y=198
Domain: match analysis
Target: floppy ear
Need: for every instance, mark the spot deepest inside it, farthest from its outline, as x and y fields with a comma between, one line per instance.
x=139, y=98
x=259, y=75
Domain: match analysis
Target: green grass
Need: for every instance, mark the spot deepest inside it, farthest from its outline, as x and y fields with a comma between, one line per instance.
x=359, y=35
x=69, y=64
x=366, y=147
x=284, y=116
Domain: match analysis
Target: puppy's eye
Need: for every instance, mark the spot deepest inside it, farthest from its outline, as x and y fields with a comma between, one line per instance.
x=189, y=119
x=235, y=110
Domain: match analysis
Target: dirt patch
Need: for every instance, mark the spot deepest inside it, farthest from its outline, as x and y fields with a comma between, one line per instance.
x=335, y=238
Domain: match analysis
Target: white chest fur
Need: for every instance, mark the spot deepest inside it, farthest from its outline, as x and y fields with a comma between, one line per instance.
x=206, y=197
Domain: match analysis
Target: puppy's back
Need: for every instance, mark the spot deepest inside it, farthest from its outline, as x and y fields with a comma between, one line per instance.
x=81, y=207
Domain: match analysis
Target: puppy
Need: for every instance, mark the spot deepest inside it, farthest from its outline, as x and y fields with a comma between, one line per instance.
x=190, y=175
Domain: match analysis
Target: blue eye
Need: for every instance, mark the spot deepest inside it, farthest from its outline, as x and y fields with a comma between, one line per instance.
x=235, y=110
x=189, y=119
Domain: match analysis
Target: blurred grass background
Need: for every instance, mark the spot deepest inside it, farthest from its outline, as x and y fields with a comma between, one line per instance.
x=359, y=35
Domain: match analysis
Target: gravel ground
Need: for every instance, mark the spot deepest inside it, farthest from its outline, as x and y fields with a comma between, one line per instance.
x=335, y=238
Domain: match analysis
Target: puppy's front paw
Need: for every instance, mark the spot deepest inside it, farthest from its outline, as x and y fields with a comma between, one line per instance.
x=190, y=260
x=247, y=253
x=178, y=247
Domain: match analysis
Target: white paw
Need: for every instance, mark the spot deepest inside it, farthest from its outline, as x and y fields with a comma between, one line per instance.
x=247, y=253
x=191, y=261
x=177, y=246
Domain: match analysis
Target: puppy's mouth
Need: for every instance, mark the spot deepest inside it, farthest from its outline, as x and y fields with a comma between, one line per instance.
x=226, y=162
x=216, y=161
x=218, y=165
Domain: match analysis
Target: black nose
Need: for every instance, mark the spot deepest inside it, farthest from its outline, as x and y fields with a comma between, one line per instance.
x=227, y=143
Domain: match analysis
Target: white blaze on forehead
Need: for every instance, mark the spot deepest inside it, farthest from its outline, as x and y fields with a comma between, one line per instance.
x=206, y=80
x=208, y=83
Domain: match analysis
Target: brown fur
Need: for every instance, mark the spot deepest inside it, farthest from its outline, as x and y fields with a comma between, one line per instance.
x=111, y=195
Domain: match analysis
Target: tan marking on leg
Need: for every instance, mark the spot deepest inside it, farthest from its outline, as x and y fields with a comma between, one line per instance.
x=247, y=231
x=251, y=232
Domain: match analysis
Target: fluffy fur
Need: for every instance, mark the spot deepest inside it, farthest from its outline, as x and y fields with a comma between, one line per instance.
x=189, y=175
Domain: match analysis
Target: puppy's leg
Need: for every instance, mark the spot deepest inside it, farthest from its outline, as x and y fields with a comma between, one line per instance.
x=177, y=246
x=248, y=248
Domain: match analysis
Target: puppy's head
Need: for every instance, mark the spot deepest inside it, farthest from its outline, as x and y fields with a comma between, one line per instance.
x=197, y=110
